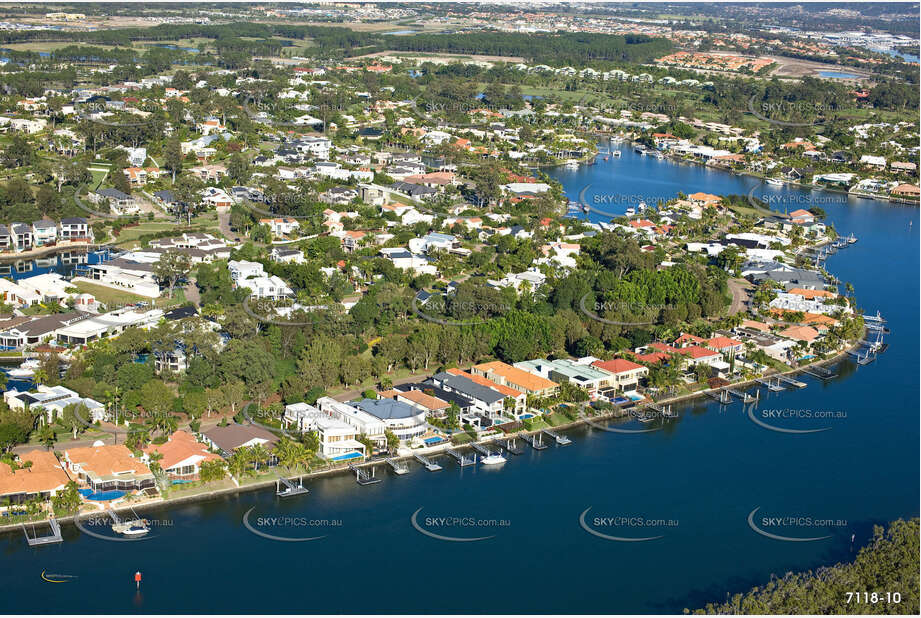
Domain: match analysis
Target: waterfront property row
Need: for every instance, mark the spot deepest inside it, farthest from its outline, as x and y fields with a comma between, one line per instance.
x=20, y=237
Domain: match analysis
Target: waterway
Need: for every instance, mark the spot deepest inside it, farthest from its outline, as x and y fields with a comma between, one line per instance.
x=703, y=474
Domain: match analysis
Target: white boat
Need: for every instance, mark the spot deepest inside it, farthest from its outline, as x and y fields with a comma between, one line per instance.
x=492, y=460
x=25, y=370
x=660, y=156
x=777, y=182
x=571, y=163
x=133, y=527
x=616, y=153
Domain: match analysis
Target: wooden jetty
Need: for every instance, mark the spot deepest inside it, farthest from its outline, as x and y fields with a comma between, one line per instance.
x=561, y=440
x=398, y=466
x=723, y=397
x=430, y=465
x=536, y=440
x=745, y=397
x=482, y=449
x=791, y=381
x=771, y=384
x=54, y=537
x=363, y=476
x=463, y=460
x=511, y=446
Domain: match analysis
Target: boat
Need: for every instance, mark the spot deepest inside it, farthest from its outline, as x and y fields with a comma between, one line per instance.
x=25, y=370
x=133, y=527
x=774, y=181
x=492, y=459
x=660, y=156
x=640, y=150
x=851, y=239
x=606, y=158
x=616, y=153
x=874, y=318
x=571, y=164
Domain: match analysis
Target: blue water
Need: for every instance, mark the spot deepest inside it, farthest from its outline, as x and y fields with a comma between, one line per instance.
x=707, y=471
x=837, y=75
x=346, y=456
x=16, y=269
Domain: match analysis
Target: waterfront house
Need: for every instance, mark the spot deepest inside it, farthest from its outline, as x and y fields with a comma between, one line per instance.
x=75, y=229
x=38, y=474
x=119, y=203
x=486, y=401
x=121, y=273
x=182, y=455
x=625, y=374
x=106, y=325
x=21, y=236
x=463, y=404
x=562, y=370
x=517, y=377
x=35, y=330
x=364, y=423
x=519, y=398
x=336, y=437
x=5, y=238
x=404, y=420
x=44, y=232
x=231, y=437
x=108, y=467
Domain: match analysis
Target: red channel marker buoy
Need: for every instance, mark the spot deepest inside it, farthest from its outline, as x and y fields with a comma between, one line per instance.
x=137, y=579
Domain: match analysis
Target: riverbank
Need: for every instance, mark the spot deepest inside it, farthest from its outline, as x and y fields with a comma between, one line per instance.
x=261, y=484
x=39, y=252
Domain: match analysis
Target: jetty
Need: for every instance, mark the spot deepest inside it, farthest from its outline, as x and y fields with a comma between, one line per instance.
x=771, y=384
x=54, y=537
x=511, y=446
x=399, y=467
x=791, y=381
x=535, y=440
x=820, y=372
x=462, y=460
x=745, y=397
x=723, y=397
x=363, y=476
x=290, y=489
x=430, y=465
x=561, y=440
x=481, y=449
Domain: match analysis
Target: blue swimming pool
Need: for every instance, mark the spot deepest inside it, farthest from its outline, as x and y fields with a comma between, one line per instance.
x=434, y=440
x=101, y=496
x=181, y=481
x=346, y=456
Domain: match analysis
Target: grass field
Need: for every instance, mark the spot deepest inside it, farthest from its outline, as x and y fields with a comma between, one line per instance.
x=112, y=297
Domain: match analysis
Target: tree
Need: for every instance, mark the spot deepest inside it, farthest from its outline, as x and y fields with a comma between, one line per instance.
x=173, y=158
x=213, y=470
x=156, y=398
x=67, y=501
x=171, y=267
x=393, y=442
x=238, y=168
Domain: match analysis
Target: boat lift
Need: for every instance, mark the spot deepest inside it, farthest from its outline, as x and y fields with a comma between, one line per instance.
x=791, y=381
x=535, y=440
x=772, y=386
x=745, y=397
x=54, y=537
x=430, y=465
x=511, y=446
x=723, y=397
x=363, y=476
x=290, y=488
x=561, y=440
x=463, y=460
x=399, y=467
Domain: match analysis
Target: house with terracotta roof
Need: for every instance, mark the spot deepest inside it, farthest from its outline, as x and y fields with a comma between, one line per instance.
x=560, y=370
x=108, y=467
x=725, y=345
x=704, y=199
x=800, y=333
x=517, y=378
x=39, y=474
x=625, y=374
x=801, y=216
x=420, y=399
x=687, y=339
x=520, y=397
x=182, y=455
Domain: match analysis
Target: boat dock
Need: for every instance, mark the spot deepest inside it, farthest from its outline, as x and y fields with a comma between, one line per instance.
x=723, y=397
x=820, y=372
x=745, y=397
x=463, y=460
x=54, y=537
x=771, y=384
x=664, y=411
x=290, y=489
x=481, y=449
x=511, y=446
x=430, y=465
x=535, y=440
x=791, y=381
x=560, y=439
x=363, y=476
x=399, y=467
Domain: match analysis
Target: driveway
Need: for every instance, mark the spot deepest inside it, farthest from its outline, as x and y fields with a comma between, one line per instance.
x=739, y=289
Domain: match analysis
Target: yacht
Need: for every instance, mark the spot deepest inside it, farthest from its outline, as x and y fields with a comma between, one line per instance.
x=660, y=156
x=25, y=370
x=777, y=182
x=571, y=164
x=492, y=459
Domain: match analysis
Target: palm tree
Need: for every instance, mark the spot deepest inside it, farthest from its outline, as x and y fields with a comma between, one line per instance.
x=239, y=462
x=257, y=455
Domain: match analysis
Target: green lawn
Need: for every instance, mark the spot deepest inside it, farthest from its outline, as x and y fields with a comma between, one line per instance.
x=111, y=296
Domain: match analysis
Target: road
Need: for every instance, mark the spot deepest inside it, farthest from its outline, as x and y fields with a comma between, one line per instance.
x=223, y=224
x=739, y=289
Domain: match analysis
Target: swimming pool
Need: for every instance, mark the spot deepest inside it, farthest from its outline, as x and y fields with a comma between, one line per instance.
x=434, y=440
x=101, y=496
x=346, y=456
